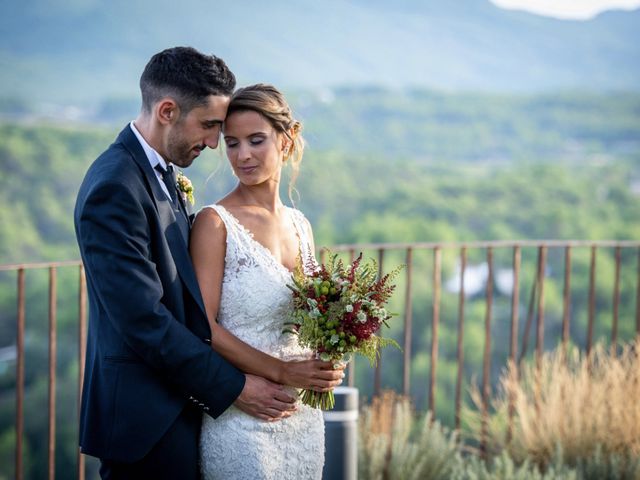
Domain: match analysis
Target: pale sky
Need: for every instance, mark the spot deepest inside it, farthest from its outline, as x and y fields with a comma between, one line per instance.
x=570, y=9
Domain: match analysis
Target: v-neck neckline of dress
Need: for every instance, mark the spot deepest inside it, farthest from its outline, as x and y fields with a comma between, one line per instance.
x=267, y=251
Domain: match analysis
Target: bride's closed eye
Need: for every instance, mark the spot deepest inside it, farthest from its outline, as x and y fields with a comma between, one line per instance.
x=230, y=143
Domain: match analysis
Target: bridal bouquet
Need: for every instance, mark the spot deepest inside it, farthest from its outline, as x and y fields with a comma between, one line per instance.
x=338, y=310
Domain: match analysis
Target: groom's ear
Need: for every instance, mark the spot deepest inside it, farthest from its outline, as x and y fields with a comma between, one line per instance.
x=167, y=111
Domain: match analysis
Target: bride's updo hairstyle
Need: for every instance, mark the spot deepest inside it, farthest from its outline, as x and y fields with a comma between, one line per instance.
x=271, y=104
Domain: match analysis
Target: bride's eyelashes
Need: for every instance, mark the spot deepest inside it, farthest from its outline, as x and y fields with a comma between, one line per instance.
x=253, y=141
x=230, y=143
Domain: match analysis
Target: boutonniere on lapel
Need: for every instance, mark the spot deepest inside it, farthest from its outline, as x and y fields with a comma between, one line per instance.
x=185, y=187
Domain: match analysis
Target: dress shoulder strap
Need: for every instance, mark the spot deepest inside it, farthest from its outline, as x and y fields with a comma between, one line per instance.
x=300, y=223
x=237, y=236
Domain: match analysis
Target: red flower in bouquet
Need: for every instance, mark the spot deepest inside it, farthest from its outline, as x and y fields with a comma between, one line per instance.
x=338, y=310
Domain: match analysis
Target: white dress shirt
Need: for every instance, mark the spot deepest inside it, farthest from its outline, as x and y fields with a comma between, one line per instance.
x=154, y=158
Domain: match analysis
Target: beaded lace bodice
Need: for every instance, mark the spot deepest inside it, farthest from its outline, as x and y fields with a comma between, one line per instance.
x=255, y=302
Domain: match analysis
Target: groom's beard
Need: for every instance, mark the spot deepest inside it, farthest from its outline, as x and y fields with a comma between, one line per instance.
x=181, y=152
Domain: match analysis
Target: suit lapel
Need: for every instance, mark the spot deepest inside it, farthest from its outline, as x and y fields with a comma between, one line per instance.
x=179, y=249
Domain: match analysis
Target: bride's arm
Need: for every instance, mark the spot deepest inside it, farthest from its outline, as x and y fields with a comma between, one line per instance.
x=208, y=247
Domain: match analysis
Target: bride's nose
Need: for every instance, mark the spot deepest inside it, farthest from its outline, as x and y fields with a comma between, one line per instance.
x=244, y=152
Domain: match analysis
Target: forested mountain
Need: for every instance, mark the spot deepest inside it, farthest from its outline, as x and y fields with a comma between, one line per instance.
x=83, y=50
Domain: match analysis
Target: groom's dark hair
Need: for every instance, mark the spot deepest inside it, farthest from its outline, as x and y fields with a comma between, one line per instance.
x=186, y=75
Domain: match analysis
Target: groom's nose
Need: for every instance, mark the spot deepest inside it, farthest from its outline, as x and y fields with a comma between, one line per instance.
x=212, y=141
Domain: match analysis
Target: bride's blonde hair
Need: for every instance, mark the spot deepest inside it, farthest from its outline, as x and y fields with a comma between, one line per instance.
x=269, y=102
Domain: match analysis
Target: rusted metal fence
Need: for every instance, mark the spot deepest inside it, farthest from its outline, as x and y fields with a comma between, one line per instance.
x=21, y=271
x=488, y=250
x=536, y=303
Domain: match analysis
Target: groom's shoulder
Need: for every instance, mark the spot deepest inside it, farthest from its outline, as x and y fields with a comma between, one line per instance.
x=113, y=174
x=116, y=163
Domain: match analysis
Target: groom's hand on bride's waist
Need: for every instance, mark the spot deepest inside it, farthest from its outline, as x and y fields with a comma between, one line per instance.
x=265, y=400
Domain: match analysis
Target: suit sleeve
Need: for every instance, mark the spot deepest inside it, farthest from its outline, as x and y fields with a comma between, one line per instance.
x=113, y=233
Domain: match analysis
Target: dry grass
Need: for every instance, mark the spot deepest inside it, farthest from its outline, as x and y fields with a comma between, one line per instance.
x=396, y=444
x=569, y=408
x=375, y=430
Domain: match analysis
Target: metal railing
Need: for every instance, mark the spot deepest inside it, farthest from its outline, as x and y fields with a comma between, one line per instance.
x=536, y=303
x=52, y=267
x=630, y=249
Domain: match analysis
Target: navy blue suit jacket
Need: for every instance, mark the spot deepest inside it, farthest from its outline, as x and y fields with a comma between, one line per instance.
x=148, y=342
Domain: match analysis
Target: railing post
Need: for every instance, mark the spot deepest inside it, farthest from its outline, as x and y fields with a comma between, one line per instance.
x=566, y=301
x=616, y=301
x=638, y=297
x=377, y=375
x=530, y=312
x=82, y=346
x=592, y=299
x=406, y=364
x=540, y=330
x=437, y=258
x=460, y=346
x=20, y=375
x=515, y=306
x=53, y=283
x=486, y=364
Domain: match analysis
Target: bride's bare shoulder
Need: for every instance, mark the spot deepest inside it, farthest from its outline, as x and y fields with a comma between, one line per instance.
x=208, y=225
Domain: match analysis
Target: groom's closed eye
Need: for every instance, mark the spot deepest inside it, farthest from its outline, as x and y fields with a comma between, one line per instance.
x=211, y=124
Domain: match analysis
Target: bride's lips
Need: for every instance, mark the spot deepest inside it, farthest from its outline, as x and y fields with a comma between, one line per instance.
x=247, y=170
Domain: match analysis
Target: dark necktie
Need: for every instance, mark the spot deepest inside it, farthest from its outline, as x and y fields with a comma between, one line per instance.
x=169, y=179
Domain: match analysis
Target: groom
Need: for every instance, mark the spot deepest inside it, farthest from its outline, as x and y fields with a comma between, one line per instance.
x=150, y=369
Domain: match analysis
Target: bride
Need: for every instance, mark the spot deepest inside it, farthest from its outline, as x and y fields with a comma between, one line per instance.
x=244, y=249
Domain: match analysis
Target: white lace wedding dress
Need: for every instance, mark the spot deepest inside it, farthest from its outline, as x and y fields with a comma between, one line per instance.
x=254, y=305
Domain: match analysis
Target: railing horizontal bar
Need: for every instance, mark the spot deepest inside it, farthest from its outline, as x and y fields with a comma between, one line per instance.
x=29, y=266
x=487, y=244
x=404, y=246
